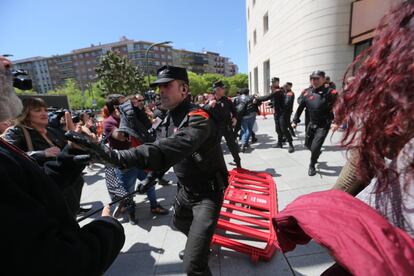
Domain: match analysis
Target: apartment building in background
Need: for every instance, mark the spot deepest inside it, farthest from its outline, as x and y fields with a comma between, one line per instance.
x=290, y=39
x=49, y=73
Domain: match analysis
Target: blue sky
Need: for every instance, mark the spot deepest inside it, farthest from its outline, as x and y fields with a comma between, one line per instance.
x=44, y=27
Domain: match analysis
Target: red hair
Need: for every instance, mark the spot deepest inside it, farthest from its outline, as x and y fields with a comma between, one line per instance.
x=378, y=105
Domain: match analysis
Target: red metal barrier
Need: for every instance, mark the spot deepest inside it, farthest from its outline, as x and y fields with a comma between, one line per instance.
x=245, y=223
x=265, y=109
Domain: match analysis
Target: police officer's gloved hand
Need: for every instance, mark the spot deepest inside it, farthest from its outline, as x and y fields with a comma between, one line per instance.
x=146, y=184
x=99, y=153
x=81, y=159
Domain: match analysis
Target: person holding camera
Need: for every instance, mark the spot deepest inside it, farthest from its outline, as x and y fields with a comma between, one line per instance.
x=86, y=125
x=39, y=234
x=32, y=135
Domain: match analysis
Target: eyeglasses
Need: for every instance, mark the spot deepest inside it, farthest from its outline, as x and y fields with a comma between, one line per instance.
x=140, y=100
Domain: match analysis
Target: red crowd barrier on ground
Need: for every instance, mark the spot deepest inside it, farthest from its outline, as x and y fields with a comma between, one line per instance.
x=245, y=223
x=265, y=109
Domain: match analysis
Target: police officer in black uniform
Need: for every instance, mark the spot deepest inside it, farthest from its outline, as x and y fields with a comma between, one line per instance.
x=277, y=99
x=289, y=101
x=223, y=110
x=190, y=144
x=319, y=101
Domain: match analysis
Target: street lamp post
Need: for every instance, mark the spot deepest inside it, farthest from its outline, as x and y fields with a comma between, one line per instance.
x=146, y=58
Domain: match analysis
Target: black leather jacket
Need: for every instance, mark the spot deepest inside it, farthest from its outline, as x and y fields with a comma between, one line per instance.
x=319, y=103
x=189, y=143
x=15, y=136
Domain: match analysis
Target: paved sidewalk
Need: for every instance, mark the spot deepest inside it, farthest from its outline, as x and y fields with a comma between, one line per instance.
x=152, y=246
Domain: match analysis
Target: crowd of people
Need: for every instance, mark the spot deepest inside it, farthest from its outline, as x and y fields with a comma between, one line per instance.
x=43, y=156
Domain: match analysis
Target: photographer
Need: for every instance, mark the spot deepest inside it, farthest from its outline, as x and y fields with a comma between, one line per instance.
x=32, y=135
x=86, y=125
x=39, y=235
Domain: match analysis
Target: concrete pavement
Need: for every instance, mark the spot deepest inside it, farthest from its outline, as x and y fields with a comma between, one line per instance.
x=152, y=246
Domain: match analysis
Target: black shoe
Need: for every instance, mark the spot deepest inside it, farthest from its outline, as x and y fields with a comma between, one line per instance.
x=291, y=149
x=243, y=148
x=236, y=164
x=83, y=211
x=163, y=182
x=312, y=170
x=132, y=219
x=181, y=255
x=254, y=140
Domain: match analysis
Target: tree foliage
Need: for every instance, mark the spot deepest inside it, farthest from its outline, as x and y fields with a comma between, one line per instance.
x=118, y=75
x=200, y=84
x=78, y=99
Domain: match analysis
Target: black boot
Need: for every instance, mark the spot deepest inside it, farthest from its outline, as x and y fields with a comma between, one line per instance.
x=278, y=145
x=132, y=219
x=291, y=148
x=312, y=170
x=181, y=255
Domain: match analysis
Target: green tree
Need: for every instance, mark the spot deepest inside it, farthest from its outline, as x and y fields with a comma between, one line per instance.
x=81, y=99
x=236, y=82
x=22, y=92
x=198, y=85
x=93, y=92
x=118, y=75
x=210, y=78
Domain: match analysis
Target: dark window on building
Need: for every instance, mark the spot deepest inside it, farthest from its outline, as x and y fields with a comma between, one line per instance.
x=266, y=76
x=361, y=46
x=254, y=37
x=250, y=81
x=265, y=23
x=358, y=49
x=256, y=80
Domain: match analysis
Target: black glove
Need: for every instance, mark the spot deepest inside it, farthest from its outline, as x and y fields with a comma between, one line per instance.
x=98, y=153
x=65, y=158
x=149, y=181
x=146, y=184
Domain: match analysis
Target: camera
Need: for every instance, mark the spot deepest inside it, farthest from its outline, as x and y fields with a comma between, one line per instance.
x=54, y=116
x=21, y=80
x=76, y=117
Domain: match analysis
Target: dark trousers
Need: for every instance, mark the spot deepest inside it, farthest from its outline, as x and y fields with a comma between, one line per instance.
x=196, y=217
x=230, y=137
x=72, y=195
x=289, y=124
x=281, y=126
x=315, y=136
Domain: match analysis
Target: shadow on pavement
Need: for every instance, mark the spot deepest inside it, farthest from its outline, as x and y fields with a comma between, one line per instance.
x=324, y=169
x=138, y=260
x=93, y=176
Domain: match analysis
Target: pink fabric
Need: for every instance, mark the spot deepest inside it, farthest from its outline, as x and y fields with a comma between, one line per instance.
x=358, y=237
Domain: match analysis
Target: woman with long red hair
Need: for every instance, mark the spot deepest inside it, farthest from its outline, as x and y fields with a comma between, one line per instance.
x=377, y=107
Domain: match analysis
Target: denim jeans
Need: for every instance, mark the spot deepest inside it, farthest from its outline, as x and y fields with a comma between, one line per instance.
x=128, y=179
x=247, y=128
